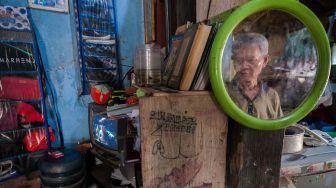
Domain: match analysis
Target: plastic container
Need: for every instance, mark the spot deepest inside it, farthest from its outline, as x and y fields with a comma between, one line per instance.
x=147, y=65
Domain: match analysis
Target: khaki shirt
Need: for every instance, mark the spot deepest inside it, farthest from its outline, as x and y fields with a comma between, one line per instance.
x=265, y=105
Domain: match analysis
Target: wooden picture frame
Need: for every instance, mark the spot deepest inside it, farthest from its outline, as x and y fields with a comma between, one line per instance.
x=51, y=5
x=149, y=21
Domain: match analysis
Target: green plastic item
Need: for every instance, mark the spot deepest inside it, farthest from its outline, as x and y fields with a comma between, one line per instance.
x=308, y=18
x=140, y=92
x=332, y=134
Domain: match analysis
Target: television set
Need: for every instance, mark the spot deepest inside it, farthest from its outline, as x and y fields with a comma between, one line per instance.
x=112, y=138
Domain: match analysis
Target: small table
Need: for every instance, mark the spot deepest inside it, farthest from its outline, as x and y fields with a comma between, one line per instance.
x=314, y=168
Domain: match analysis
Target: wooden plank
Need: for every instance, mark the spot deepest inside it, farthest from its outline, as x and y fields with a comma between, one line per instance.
x=181, y=12
x=160, y=29
x=254, y=157
x=202, y=8
x=183, y=141
x=216, y=7
x=148, y=24
x=219, y=6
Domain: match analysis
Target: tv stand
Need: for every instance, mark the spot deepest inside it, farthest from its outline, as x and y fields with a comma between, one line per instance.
x=102, y=173
x=106, y=158
x=111, y=160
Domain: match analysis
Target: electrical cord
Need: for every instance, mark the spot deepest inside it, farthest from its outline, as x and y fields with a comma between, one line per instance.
x=129, y=70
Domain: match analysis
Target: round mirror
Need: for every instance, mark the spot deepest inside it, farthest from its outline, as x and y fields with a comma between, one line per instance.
x=270, y=63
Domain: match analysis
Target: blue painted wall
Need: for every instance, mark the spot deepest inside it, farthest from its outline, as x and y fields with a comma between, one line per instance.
x=57, y=40
x=130, y=17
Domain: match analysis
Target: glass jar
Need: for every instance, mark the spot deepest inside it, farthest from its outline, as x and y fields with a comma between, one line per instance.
x=147, y=65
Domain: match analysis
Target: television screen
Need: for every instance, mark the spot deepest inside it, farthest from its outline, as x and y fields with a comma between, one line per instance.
x=105, y=131
x=114, y=134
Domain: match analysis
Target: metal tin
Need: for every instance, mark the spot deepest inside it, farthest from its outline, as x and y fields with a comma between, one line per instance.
x=293, y=139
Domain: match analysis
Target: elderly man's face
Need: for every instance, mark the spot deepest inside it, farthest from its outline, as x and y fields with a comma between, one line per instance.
x=249, y=62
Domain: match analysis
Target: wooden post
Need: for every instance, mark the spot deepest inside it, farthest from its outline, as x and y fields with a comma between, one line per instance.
x=253, y=157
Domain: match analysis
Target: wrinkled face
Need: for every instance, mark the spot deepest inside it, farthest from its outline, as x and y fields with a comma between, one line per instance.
x=248, y=62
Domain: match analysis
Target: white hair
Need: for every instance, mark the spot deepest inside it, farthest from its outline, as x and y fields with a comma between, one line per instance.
x=248, y=39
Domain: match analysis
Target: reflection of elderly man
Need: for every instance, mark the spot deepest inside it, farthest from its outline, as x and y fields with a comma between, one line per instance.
x=250, y=56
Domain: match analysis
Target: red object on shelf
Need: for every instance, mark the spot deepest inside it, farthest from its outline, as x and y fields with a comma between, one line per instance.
x=28, y=114
x=36, y=140
x=19, y=88
x=132, y=100
x=100, y=94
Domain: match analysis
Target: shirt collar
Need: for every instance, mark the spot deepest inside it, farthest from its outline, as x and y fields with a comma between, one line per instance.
x=263, y=89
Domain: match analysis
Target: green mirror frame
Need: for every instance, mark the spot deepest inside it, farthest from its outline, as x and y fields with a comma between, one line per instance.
x=309, y=19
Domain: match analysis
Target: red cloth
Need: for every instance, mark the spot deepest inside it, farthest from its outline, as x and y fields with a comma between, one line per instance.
x=19, y=88
x=28, y=114
x=36, y=140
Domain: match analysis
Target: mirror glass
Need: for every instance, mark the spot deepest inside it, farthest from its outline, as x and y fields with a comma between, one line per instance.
x=269, y=64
